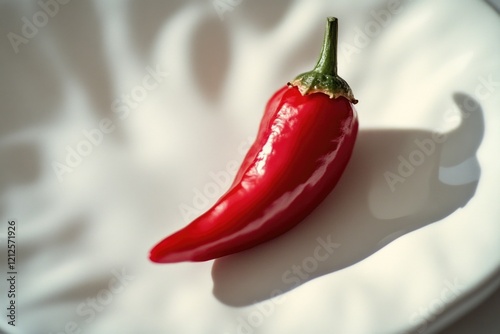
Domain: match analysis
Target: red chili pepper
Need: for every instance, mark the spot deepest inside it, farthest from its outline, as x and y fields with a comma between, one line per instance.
x=303, y=145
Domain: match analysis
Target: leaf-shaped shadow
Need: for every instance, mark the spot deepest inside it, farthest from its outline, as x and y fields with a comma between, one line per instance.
x=29, y=87
x=494, y=4
x=20, y=164
x=146, y=20
x=262, y=15
x=393, y=185
x=82, y=48
x=210, y=56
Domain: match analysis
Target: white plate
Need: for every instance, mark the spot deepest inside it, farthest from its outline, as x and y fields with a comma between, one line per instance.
x=177, y=92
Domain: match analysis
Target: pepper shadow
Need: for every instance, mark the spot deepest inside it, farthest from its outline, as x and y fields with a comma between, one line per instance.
x=397, y=181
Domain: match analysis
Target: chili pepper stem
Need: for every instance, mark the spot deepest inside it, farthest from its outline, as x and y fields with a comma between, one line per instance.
x=324, y=78
x=327, y=62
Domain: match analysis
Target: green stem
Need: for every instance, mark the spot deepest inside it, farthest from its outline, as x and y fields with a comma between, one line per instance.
x=327, y=62
x=324, y=78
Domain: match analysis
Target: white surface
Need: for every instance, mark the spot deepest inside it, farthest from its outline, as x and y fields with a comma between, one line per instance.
x=127, y=194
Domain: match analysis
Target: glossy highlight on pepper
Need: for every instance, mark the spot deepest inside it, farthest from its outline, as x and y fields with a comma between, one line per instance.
x=304, y=142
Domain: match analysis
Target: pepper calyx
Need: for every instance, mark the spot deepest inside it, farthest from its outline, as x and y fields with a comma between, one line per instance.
x=323, y=78
x=314, y=82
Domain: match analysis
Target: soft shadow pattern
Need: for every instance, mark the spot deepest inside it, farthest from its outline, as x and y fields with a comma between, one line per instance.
x=363, y=213
x=82, y=48
x=210, y=57
x=30, y=87
x=264, y=20
x=495, y=5
x=146, y=21
x=20, y=165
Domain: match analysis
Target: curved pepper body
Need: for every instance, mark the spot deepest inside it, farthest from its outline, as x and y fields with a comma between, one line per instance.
x=302, y=148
